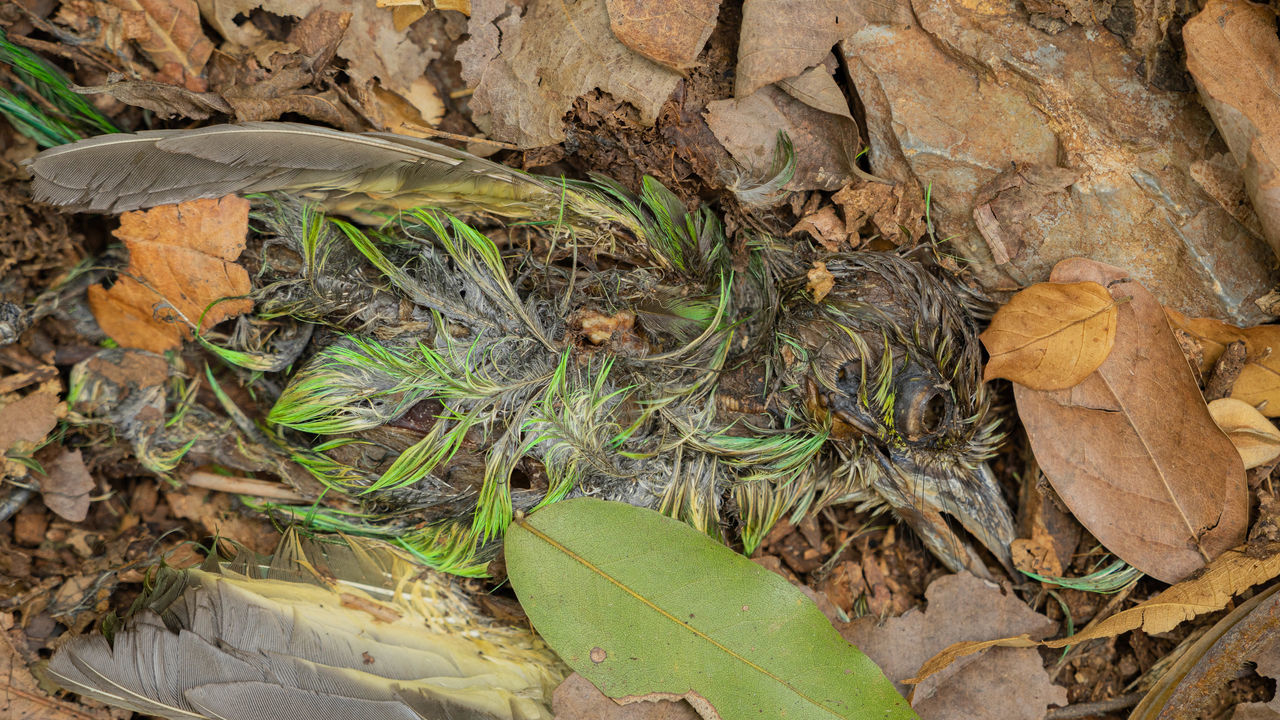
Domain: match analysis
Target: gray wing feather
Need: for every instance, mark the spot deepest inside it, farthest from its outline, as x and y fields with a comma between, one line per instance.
x=245, y=647
x=117, y=173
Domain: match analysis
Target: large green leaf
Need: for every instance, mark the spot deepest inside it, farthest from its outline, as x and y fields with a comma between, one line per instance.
x=639, y=603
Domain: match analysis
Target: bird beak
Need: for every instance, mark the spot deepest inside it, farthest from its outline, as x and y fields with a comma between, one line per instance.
x=923, y=497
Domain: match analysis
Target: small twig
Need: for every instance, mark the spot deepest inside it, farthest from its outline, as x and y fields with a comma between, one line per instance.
x=1089, y=709
x=460, y=138
x=67, y=50
x=243, y=486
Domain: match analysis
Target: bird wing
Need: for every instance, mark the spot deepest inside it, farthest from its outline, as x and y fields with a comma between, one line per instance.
x=277, y=638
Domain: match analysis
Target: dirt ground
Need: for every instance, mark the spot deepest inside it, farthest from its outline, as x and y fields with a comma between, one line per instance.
x=59, y=577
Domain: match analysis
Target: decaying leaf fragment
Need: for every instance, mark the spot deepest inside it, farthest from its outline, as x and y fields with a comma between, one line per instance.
x=1250, y=633
x=821, y=281
x=381, y=60
x=1165, y=491
x=169, y=32
x=641, y=604
x=1008, y=684
x=181, y=266
x=1233, y=572
x=1255, y=437
x=1259, y=381
x=1051, y=336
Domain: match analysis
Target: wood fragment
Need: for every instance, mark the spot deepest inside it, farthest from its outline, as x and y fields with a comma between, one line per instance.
x=243, y=486
x=1225, y=372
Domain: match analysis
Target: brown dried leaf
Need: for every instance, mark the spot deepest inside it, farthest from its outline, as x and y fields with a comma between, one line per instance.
x=1255, y=437
x=1233, y=572
x=377, y=54
x=782, y=38
x=184, y=254
x=1051, y=336
x=28, y=420
x=1164, y=490
x=171, y=36
x=1234, y=55
x=824, y=142
x=163, y=99
x=577, y=699
x=824, y=226
x=66, y=489
x=1008, y=684
x=670, y=34
x=423, y=108
x=528, y=69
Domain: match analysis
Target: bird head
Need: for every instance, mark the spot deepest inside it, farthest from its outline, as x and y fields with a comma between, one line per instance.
x=892, y=364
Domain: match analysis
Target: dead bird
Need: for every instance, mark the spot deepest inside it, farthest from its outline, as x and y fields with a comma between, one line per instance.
x=629, y=351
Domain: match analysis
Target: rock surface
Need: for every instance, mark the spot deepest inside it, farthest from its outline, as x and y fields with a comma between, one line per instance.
x=1041, y=147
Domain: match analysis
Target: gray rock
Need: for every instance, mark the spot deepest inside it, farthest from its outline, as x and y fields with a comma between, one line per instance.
x=996, y=118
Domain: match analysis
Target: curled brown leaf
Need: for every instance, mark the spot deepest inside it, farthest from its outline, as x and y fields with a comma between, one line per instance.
x=1255, y=437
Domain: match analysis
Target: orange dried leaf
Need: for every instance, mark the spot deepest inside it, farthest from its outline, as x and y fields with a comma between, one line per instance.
x=1051, y=336
x=180, y=269
x=169, y=32
x=1213, y=335
x=1259, y=381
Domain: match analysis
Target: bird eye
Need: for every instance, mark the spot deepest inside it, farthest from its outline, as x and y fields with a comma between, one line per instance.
x=921, y=408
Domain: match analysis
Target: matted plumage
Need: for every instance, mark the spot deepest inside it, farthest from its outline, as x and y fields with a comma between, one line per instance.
x=624, y=348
